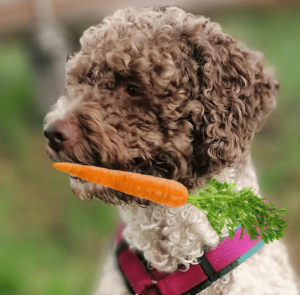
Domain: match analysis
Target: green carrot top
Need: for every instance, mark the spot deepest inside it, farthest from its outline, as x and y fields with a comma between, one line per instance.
x=225, y=206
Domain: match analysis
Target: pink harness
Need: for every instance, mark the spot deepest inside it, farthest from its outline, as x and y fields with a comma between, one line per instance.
x=214, y=264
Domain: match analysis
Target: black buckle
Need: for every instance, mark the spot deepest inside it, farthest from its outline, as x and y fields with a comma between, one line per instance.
x=208, y=268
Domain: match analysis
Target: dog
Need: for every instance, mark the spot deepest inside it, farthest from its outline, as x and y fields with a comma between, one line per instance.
x=162, y=92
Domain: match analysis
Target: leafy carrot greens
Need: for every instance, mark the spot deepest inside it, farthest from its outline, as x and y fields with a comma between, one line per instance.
x=224, y=206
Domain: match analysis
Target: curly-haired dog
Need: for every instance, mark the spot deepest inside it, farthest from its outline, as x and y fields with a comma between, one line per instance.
x=159, y=91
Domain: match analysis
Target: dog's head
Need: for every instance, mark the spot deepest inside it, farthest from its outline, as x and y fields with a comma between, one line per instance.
x=158, y=91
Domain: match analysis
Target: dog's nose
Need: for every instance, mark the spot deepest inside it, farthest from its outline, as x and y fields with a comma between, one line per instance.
x=57, y=134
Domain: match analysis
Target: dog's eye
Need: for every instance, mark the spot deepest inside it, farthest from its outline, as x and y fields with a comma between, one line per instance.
x=133, y=90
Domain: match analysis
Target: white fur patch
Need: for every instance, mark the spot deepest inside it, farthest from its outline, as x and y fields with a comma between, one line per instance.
x=61, y=109
x=168, y=236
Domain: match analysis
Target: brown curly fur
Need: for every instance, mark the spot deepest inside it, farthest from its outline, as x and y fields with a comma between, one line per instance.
x=201, y=96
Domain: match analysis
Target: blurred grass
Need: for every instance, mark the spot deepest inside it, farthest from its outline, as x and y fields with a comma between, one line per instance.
x=50, y=242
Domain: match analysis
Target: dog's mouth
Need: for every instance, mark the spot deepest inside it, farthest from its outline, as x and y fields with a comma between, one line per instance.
x=75, y=178
x=86, y=191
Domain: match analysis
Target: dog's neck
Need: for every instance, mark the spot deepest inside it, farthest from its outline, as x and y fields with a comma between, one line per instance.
x=172, y=236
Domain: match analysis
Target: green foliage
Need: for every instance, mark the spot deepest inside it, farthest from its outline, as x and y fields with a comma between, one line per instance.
x=18, y=107
x=225, y=206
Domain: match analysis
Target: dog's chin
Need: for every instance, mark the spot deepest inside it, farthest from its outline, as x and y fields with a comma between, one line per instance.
x=81, y=189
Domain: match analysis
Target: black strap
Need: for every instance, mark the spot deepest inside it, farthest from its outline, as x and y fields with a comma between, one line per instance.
x=208, y=268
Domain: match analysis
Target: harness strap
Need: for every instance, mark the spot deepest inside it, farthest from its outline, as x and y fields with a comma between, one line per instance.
x=137, y=277
x=214, y=264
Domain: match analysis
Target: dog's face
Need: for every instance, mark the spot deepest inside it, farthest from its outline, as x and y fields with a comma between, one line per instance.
x=159, y=92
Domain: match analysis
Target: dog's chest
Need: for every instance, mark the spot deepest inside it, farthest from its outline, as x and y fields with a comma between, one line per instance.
x=168, y=236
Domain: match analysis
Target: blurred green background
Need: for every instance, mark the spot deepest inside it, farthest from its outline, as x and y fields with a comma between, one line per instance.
x=51, y=243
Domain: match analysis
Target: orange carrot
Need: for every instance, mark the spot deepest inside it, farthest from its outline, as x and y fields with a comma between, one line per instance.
x=160, y=190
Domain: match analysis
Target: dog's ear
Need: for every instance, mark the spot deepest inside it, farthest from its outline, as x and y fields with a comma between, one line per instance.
x=236, y=93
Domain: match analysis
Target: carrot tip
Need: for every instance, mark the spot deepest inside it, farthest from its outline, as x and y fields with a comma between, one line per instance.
x=64, y=167
x=57, y=166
